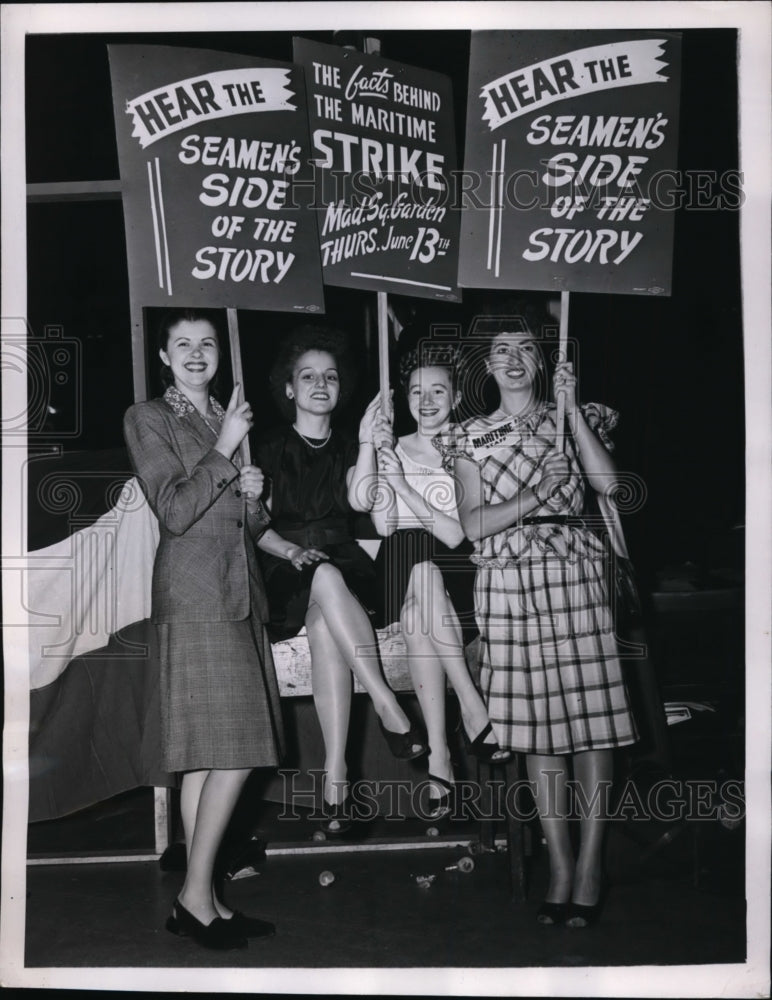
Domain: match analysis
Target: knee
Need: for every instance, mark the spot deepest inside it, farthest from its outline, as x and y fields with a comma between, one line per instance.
x=327, y=577
x=424, y=578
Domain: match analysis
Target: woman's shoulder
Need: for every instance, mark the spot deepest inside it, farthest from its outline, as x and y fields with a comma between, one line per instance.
x=273, y=435
x=602, y=419
x=147, y=410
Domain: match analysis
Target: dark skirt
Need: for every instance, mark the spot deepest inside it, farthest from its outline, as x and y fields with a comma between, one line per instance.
x=220, y=703
x=397, y=556
x=289, y=589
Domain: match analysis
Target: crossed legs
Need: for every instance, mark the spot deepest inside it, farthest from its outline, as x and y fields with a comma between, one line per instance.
x=436, y=653
x=342, y=641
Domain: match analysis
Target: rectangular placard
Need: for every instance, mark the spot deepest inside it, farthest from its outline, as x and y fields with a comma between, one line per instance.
x=384, y=145
x=209, y=145
x=572, y=141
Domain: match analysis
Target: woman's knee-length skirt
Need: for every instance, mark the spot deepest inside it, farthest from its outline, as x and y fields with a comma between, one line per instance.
x=400, y=552
x=550, y=670
x=220, y=703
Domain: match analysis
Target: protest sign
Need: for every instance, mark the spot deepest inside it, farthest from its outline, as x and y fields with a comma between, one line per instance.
x=209, y=144
x=384, y=147
x=571, y=150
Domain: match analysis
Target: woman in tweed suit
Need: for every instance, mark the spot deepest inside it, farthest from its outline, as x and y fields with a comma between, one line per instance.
x=220, y=710
x=550, y=669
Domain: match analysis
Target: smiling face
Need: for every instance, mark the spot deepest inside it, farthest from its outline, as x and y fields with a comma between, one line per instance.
x=193, y=354
x=315, y=384
x=430, y=397
x=514, y=361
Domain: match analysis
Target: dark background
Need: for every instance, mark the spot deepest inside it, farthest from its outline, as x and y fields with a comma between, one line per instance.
x=672, y=366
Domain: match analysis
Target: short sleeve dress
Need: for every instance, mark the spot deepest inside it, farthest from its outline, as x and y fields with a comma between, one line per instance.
x=412, y=543
x=550, y=671
x=309, y=506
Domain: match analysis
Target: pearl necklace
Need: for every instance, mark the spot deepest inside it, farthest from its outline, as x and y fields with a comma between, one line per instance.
x=316, y=447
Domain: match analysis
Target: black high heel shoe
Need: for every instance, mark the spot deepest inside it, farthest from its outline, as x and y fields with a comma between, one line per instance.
x=585, y=914
x=337, y=819
x=440, y=808
x=221, y=934
x=489, y=752
x=552, y=913
x=403, y=745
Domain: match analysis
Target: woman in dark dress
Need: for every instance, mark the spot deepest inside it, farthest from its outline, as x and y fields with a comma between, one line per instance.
x=220, y=714
x=309, y=466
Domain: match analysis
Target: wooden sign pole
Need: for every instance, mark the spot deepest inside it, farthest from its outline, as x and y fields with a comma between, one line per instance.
x=560, y=417
x=383, y=350
x=237, y=372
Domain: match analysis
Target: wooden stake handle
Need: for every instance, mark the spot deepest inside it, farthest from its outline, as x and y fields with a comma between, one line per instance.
x=237, y=372
x=560, y=417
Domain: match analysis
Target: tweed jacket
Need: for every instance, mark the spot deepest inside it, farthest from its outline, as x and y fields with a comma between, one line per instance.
x=206, y=566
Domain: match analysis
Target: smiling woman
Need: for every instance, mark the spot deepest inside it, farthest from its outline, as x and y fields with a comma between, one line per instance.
x=309, y=465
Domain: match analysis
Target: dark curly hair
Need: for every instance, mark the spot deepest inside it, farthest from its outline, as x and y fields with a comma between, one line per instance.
x=310, y=338
x=516, y=314
x=431, y=354
x=169, y=320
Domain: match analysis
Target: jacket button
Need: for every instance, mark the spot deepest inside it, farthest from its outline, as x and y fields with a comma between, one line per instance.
x=238, y=493
x=239, y=524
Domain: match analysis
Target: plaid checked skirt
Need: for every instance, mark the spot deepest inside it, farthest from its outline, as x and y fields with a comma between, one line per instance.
x=550, y=672
x=220, y=703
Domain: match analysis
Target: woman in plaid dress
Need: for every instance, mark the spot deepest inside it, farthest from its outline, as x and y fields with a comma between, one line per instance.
x=550, y=670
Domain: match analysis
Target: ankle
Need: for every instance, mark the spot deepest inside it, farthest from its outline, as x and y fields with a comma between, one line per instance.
x=440, y=763
x=335, y=789
x=393, y=718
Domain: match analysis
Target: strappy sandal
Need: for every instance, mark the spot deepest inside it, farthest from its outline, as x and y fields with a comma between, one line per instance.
x=403, y=745
x=490, y=752
x=441, y=807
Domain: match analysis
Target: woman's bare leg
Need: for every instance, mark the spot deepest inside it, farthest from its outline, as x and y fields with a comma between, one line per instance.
x=440, y=622
x=350, y=627
x=428, y=676
x=593, y=771
x=217, y=799
x=549, y=776
x=331, y=684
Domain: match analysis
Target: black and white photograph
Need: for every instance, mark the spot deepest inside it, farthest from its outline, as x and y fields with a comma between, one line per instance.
x=386, y=543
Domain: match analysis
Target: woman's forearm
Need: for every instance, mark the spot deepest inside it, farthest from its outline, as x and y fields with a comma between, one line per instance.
x=480, y=519
x=444, y=527
x=272, y=542
x=597, y=464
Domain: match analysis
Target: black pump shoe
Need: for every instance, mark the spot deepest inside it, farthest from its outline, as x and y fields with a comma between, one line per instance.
x=490, y=752
x=221, y=935
x=403, y=745
x=582, y=914
x=552, y=913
